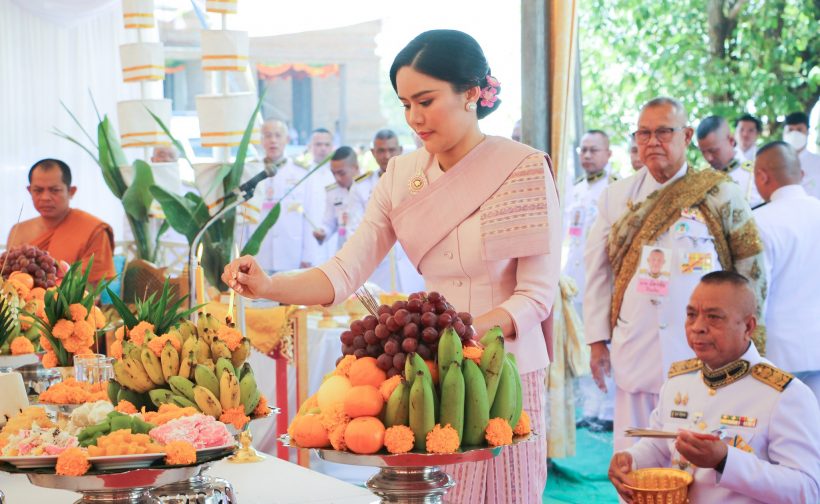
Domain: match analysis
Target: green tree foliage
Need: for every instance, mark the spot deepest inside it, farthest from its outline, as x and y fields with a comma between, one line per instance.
x=721, y=57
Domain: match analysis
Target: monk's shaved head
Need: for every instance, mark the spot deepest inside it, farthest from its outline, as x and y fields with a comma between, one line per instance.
x=780, y=161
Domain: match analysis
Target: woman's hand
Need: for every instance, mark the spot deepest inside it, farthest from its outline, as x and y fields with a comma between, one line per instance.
x=619, y=468
x=246, y=277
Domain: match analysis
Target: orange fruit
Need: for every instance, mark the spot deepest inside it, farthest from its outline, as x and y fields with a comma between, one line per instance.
x=364, y=435
x=332, y=391
x=364, y=400
x=433, y=367
x=365, y=372
x=23, y=278
x=307, y=432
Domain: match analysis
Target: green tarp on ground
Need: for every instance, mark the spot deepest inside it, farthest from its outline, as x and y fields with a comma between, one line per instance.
x=582, y=479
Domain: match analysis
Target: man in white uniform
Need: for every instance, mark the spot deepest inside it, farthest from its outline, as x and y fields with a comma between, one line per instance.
x=718, y=148
x=581, y=209
x=789, y=225
x=747, y=130
x=395, y=272
x=699, y=220
x=747, y=431
x=345, y=168
x=634, y=155
x=290, y=243
x=796, y=134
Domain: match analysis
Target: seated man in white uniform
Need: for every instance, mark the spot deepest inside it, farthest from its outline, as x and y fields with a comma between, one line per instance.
x=747, y=431
x=395, y=273
x=796, y=134
x=789, y=226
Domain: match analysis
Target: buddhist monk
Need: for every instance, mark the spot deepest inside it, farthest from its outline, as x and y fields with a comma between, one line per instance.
x=68, y=234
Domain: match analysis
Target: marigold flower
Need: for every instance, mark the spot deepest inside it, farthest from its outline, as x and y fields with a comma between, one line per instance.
x=442, y=439
x=119, y=333
x=84, y=332
x=231, y=336
x=498, y=432
x=234, y=416
x=73, y=462
x=157, y=344
x=388, y=386
x=473, y=353
x=333, y=416
x=62, y=329
x=21, y=345
x=399, y=439
x=50, y=359
x=180, y=453
x=523, y=427
x=343, y=367
x=337, y=438
x=73, y=343
x=137, y=333
x=45, y=344
x=96, y=318
x=115, y=349
x=261, y=409
x=78, y=312
x=126, y=407
x=37, y=293
x=84, y=351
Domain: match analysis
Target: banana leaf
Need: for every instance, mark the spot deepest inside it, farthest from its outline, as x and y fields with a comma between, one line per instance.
x=111, y=158
x=137, y=198
x=181, y=213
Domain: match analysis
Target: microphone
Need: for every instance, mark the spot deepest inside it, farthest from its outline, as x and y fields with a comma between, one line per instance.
x=246, y=190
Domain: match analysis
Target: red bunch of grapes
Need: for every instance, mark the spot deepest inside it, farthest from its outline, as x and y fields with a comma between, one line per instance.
x=407, y=326
x=32, y=260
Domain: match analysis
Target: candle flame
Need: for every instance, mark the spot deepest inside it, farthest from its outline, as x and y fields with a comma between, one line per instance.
x=199, y=254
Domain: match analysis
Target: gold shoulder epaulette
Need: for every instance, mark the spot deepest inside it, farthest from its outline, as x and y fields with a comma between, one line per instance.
x=362, y=176
x=331, y=187
x=580, y=179
x=772, y=376
x=747, y=166
x=684, y=367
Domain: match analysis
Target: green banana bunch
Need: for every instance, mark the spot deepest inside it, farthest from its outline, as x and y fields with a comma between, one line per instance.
x=476, y=405
x=249, y=394
x=224, y=365
x=452, y=399
x=207, y=326
x=449, y=350
x=124, y=375
x=229, y=391
x=112, y=390
x=206, y=378
x=397, y=410
x=207, y=401
x=137, y=399
x=187, y=329
x=182, y=387
x=169, y=361
x=183, y=402
x=160, y=396
x=415, y=364
x=202, y=350
x=492, y=334
x=219, y=349
x=503, y=405
x=492, y=362
x=152, y=366
x=422, y=410
x=240, y=355
x=519, y=393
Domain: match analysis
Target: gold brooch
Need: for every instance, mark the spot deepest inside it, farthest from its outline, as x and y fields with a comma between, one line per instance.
x=417, y=182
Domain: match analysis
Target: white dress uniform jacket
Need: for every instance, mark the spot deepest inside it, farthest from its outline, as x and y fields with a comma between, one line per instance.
x=743, y=175
x=646, y=339
x=810, y=163
x=789, y=226
x=773, y=435
x=336, y=222
x=581, y=209
x=290, y=241
x=748, y=155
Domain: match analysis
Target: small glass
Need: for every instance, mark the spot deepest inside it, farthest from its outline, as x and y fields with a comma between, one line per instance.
x=93, y=368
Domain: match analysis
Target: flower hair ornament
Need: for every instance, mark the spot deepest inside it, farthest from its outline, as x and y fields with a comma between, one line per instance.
x=488, y=92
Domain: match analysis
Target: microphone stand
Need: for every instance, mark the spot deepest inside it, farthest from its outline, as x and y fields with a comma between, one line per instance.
x=242, y=194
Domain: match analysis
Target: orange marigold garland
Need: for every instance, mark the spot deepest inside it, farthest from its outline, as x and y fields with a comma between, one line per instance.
x=343, y=367
x=126, y=407
x=261, y=409
x=498, y=432
x=388, y=386
x=333, y=416
x=523, y=427
x=231, y=336
x=50, y=360
x=21, y=345
x=337, y=437
x=473, y=353
x=73, y=462
x=63, y=329
x=399, y=439
x=442, y=439
x=180, y=453
x=115, y=349
x=157, y=344
x=137, y=333
x=78, y=312
x=234, y=416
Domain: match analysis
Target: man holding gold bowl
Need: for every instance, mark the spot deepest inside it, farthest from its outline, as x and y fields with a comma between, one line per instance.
x=745, y=430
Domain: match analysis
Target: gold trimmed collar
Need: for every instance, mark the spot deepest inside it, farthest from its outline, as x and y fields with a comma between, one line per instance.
x=734, y=163
x=725, y=375
x=595, y=176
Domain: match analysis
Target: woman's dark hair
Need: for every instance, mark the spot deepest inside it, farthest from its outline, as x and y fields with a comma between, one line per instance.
x=447, y=55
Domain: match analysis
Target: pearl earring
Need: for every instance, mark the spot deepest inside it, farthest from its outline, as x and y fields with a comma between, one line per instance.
x=470, y=106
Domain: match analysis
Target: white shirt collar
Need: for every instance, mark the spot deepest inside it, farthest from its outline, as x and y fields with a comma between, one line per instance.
x=790, y=191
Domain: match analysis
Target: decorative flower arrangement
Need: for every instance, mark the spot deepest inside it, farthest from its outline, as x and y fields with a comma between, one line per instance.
x=17, y=295
x=71, y=319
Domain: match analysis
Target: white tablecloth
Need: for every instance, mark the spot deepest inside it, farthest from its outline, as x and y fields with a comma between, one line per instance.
x=271, y=481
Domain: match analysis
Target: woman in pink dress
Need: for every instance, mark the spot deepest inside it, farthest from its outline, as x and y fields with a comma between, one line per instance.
x=478, y=216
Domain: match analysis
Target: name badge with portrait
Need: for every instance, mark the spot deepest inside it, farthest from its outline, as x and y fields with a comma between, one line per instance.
x=654, y=271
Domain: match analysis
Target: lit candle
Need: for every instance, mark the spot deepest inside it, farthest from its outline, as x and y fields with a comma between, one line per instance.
x=200, y=277
x=230, y=318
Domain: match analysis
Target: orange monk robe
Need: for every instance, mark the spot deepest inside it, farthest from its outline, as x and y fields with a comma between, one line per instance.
x=78, y=237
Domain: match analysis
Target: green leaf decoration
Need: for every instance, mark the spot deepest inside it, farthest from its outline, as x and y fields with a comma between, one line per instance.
x=137, y=198
x=179, y=212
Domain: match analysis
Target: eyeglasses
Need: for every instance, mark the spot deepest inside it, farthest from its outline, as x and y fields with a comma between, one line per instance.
x=583, y=150
x=664, y=135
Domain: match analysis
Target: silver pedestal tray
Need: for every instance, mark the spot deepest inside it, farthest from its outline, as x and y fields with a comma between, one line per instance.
x=414, y=478
x=129, y=487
